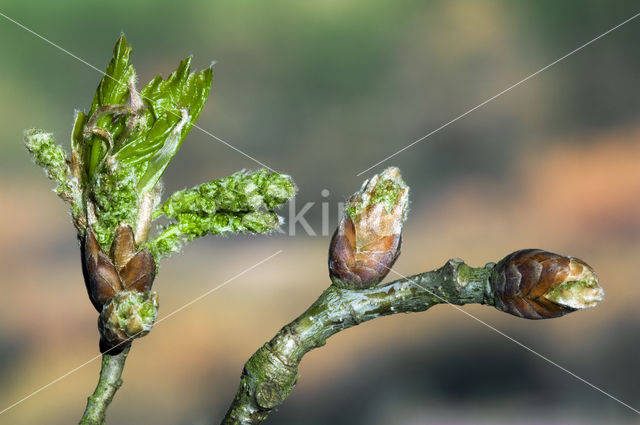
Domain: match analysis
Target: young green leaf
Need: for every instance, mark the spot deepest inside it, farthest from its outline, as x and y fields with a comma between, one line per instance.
x=113, y=90
x=174, y=105
x=161, y=159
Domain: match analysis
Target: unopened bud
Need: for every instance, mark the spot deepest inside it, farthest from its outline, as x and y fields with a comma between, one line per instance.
x=100, y=275
x=537, y=284
x=367, y=240
x=128, y=315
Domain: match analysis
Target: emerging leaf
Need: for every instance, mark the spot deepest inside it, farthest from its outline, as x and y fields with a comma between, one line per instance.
x=174, y=106
x=128, y=138
x=123, y=145
x=113, y=90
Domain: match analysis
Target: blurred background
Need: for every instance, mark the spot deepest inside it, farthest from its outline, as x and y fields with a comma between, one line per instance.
x=322, y=90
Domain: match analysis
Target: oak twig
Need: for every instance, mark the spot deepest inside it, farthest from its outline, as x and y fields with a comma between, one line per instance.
x=110, y=381
x=114, y=191
x=271, y=373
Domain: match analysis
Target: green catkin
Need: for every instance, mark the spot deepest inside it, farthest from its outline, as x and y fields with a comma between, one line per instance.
x=116, y=201
x=240, y=203
x=50, y=157
x=188, y=227
x=238, y=192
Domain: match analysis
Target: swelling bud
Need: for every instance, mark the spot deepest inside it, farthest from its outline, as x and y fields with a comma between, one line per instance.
x=128, y=315
x=536, y=284
x=367, y=241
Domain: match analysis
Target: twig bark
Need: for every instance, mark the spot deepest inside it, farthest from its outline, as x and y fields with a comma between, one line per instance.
x=271, y=373
x=109, y=382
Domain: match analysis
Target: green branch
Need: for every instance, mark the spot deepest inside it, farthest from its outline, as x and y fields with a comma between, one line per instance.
x=110, y=381
x=531, y=283
x=272, y=372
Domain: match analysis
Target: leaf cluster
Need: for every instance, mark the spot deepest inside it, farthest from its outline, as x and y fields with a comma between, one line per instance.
x=121, y=147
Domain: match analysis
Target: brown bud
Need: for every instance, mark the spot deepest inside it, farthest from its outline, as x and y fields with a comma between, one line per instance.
x=536, y=284
x=126, y=269
x=139, y=272
x=100, y=275
x=123, y=247
x=367, y=240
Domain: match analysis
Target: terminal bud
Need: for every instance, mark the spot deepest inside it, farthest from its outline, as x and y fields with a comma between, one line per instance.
x=536, y=284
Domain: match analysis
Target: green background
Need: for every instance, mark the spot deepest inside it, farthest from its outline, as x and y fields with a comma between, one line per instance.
x=322, y=90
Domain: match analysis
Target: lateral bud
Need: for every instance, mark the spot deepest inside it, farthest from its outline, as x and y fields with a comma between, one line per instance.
x=367, y=241
x=536, y=284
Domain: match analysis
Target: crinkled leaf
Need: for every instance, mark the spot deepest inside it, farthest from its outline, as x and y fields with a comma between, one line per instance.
x=143, y=147
x=167, y=99
x=76, y=133
x=160, y=160
x=183, y=89
x=113, y=88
